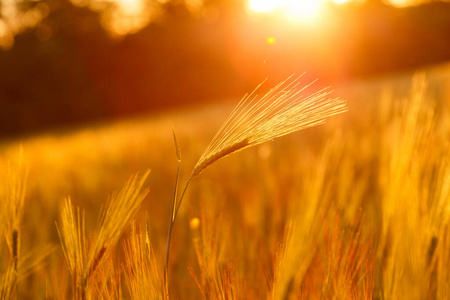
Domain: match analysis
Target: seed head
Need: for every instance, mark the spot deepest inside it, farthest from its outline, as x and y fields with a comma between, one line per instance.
x=256, y=120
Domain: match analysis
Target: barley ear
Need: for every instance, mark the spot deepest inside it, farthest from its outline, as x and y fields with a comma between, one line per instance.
x=256, y=119
x=118, y=211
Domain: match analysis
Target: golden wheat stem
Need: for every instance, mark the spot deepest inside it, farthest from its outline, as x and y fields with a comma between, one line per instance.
x=182, y=196
x=169, y=236
x=174, y=213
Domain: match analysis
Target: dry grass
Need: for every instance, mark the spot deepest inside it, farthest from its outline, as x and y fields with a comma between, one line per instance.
x=355, y=209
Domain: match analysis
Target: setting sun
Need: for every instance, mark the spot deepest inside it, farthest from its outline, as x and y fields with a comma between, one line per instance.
x=401, y=3
x=261, y=6
x=299, y=10
x=304, y=10
x=340, y=1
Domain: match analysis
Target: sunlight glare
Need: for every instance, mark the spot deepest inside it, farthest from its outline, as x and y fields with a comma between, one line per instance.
x=303, y=9
x=296, y=9
x=340, y=1
x=401, y=3
x=263, y=6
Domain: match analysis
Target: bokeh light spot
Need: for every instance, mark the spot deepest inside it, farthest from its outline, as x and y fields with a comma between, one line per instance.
x=194, y=223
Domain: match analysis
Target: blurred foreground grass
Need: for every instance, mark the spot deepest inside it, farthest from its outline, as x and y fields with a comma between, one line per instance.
x=356, y=208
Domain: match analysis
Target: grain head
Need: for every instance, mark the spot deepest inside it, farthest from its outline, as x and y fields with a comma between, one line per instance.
x=115, y=215
x=255, y=120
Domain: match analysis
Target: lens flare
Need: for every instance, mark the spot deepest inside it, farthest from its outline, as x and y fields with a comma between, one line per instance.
x=270, y=40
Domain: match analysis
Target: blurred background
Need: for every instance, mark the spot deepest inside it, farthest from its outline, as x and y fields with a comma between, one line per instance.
x=68, y=62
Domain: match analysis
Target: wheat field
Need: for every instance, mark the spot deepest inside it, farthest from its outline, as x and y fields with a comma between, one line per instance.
x=356, y=208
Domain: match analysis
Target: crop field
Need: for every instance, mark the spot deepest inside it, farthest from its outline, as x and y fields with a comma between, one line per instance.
x=356, y=208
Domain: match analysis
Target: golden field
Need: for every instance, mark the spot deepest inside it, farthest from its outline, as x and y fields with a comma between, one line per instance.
x=357, y=208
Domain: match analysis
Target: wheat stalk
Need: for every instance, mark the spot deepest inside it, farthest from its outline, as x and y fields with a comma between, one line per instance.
x=7, y=286
x=73, y=241
x=11, y=213
x=116, y=214
x=140, y=269
x=256, y=120
x=12, y=206
x=84, y=258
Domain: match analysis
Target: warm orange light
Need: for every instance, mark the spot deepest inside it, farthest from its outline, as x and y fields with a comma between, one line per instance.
x=131, y=7
x=401, y=2
x=297, y=9
x=194, y=223
x=129, y=16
